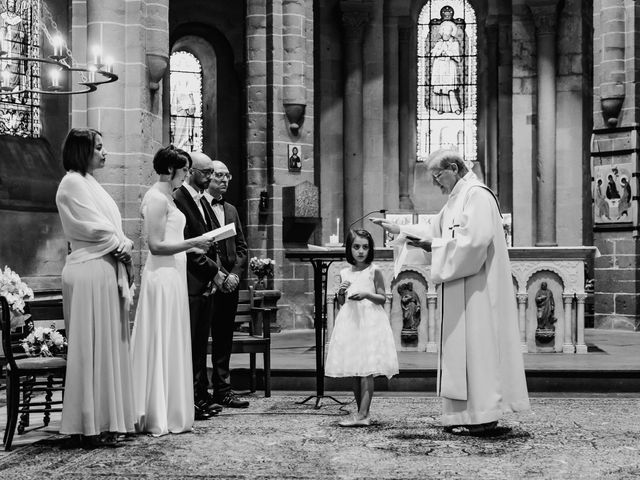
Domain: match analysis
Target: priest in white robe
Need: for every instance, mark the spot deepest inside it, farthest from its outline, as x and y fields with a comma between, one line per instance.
x=480, y=365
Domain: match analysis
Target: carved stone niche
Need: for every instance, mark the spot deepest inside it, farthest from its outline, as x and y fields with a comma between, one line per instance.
x=545, y=335
x=300, y=213
x=409, y=312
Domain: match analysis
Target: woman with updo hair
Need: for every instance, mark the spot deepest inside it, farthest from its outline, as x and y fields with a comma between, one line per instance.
x=96, y=295
x=161, y=338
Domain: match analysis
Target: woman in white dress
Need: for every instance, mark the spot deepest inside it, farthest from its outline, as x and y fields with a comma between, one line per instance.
x=161, y=339
x=98, y=399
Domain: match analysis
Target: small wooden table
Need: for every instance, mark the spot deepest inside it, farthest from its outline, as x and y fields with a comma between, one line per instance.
x=321, y=260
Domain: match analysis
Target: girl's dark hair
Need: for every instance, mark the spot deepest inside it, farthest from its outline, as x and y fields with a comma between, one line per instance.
x=77, y=149
x=170, y=157
x=351, y=236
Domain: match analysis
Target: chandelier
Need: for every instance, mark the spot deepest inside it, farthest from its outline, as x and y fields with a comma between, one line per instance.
x=22, y=65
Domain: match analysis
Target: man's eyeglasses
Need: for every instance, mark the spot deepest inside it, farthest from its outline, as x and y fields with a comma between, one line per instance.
x=207, y=172
x=221, y=175
x=436, y=176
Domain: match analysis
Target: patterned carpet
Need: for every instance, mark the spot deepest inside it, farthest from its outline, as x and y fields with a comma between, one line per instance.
x=587, y=438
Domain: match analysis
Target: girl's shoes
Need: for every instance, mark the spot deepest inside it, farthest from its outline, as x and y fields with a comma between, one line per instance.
x=354, y=421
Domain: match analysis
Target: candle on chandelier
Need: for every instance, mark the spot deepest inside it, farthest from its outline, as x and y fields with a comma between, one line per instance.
x=92, y=73
x=97, y=55
x=5, y=77
x=55, y=78
x=108, y=65
x=57, y=44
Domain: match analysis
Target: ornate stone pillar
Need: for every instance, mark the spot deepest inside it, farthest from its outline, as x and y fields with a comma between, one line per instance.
x=581, y=347
x=432, y=345
x=612, y=24
x=405, y=27
x=567, y=344
x=544, y=16
x=522, y=320
x=355, y=17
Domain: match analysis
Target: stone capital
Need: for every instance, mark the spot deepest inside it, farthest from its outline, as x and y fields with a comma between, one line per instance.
x=522, y=298
x=544, y=16
x=355, y=17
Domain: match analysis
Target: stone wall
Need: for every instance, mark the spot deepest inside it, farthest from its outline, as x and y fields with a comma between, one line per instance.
x=614, y=142
x=280, y=69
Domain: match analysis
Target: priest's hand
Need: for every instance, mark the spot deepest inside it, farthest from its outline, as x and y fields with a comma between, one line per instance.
x=388, y=226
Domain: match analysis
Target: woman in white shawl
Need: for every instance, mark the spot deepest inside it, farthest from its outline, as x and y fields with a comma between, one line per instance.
x=98, y=400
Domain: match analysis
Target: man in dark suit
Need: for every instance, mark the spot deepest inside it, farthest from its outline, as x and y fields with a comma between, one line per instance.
x=232, y=254
x=203, y=273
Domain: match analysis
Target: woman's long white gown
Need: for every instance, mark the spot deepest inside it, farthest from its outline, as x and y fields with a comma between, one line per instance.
x=161, y=339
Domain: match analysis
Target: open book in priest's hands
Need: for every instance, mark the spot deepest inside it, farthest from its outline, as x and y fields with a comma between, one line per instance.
x=226, y=231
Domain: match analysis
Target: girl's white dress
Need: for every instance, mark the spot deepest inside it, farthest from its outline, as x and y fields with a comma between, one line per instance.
x=161, y=338
x=362, y=341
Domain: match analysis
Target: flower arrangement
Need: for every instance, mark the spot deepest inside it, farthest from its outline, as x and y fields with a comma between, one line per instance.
x=44, y=342
x=14, y=289
x=16, y=292
x=261, y=268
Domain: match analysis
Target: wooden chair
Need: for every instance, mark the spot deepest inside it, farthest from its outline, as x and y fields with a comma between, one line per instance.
x=28, y=376
x=253, y=334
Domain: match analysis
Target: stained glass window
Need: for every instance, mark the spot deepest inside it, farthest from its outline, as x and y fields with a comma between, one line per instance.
x=447, y=78
x=20, y=37
x=186, y=101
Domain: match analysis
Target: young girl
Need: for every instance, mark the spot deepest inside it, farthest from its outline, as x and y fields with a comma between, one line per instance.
x=362, y=343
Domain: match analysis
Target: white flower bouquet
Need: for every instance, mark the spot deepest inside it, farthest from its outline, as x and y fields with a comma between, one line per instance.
x=44, y=342
x=16, y=292
x=261, y=267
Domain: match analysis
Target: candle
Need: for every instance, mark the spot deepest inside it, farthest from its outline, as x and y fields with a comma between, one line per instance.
x=97, y=55
x=6, y=77
x=108, y=65
x=338, y=226
x=55, y=78
x=92, y=73
x=57, y=43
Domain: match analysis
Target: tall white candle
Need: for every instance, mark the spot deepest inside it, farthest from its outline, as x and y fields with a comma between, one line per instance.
x=338, y=226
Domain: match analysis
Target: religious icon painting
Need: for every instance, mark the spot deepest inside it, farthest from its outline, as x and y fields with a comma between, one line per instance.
x=613, y=193
x=398, y=219
x=294, y=154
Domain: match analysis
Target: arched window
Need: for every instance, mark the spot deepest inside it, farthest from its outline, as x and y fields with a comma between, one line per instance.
x=20, y=37
x=186, y=101
x=447, y=78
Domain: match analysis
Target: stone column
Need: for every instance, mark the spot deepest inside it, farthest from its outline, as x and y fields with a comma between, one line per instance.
x=522, y=320
x=391, y=126
x=544, y=16
x=581, y=347
x=293, y=55
x=355, y=17
x=257, y=109
x=612, y=68
x=432, y=299
x=405, y=27
x=491, y=102
x=127, y=112
x=567, y=344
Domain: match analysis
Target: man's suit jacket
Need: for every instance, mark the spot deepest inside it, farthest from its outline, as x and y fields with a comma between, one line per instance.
x=201, y=268
x=233, y=250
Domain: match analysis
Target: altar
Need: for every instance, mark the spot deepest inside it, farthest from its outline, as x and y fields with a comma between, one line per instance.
x=412, y=299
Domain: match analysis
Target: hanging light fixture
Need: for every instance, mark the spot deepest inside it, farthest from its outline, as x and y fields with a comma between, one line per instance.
x=21, y=64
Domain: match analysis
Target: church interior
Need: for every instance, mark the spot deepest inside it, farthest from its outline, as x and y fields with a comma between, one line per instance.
x=325, y=112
